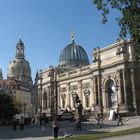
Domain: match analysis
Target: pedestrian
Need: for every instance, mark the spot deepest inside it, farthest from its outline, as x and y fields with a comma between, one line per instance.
x=98, y=119
x=33, y=120
x=120, y=120
x=78, y=124
x=55, y=127
x=21, y=123
x=101, y=119
x=14, y=122
x=43, y=122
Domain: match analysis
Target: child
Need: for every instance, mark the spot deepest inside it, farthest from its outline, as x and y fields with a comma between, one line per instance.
x=120, y=120
x=98, y=121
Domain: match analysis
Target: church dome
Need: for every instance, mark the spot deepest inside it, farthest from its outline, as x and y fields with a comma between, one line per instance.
x=19, y=69
x=73, y=56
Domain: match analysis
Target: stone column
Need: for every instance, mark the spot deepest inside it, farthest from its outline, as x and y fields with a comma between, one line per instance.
x=120, y=91
x=107, y=98
x=104, y=98
x=95, y=92
x=91, y=97
x=43, y=101
x=124, y=88
x=68, y=102
x=133, y=87
x=48, y=97
x=80, y=90
x=58, y=97
x=40, y=97
x=99, y=90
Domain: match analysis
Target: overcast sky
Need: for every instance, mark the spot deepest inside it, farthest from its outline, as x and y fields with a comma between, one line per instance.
x=45, y=27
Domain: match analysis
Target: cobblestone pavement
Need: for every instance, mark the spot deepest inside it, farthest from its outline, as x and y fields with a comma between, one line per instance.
x=34, y=131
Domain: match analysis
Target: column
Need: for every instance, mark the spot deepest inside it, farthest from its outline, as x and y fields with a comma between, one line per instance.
x=120, y=91
x=133, y=86
x=43, y=101
x=48, y=97
x=124, y=88
x=68, y=95
x=58, y=97
x=91, y=96
x=40, y=96
x=80, y=90
x=99, y=90
x=95, y=93
x=104, y=98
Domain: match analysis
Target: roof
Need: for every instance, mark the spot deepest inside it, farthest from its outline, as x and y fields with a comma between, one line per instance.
x=8, y=82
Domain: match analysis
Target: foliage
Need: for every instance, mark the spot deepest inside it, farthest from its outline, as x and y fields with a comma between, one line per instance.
x=8, y=106
x=130, y=20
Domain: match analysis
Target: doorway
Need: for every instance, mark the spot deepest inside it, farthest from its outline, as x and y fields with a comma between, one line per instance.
x=111, y=92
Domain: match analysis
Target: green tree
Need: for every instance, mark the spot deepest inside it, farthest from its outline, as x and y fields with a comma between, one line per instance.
x=8, y=107
x=129, y=22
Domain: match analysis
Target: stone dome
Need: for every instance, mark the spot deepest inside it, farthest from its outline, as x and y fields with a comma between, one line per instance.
x=19, y=69
x=73, y=56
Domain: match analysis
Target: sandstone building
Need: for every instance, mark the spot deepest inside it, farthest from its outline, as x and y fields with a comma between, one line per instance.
x=19, y=82
x=111, y=81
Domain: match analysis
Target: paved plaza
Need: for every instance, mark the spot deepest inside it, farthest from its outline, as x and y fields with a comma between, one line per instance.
x=34, y=131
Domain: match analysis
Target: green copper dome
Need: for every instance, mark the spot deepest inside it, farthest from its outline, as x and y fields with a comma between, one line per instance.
x=73, y=56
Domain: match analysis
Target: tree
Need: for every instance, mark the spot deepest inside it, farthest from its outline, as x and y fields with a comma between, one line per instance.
x=130, y=20
x=8, y=106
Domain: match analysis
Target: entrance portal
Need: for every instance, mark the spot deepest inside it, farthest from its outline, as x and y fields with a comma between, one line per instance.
x=112, y=96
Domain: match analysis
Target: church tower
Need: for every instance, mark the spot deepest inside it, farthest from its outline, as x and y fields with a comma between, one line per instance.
x=19, y=69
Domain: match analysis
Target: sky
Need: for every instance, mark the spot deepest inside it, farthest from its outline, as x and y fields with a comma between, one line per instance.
x=45, y=27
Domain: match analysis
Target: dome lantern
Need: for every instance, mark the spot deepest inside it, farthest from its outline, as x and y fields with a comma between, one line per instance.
x=20, y=50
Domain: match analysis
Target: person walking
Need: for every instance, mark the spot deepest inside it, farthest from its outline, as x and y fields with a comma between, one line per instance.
x=55, y=127
x=78, y=124
x=98, y=119
x=43, y=122
x=21, y=123
x=120, y=120
x=14, y=121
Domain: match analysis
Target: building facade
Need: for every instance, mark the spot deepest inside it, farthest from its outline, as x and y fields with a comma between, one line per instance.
x=111, y=81
x=19, y=81
x=20, y=93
